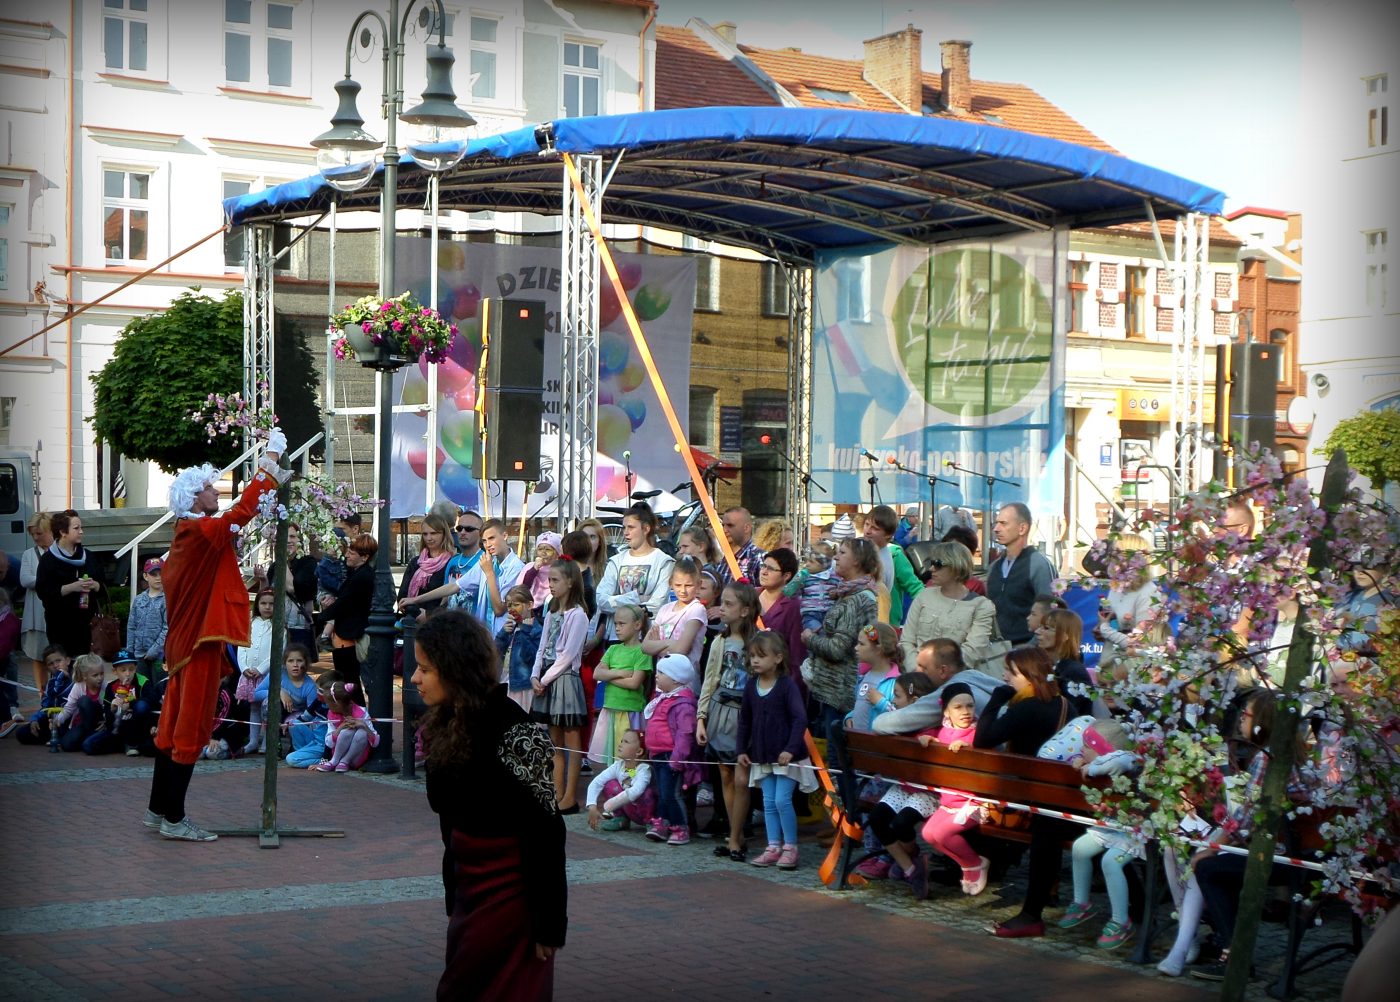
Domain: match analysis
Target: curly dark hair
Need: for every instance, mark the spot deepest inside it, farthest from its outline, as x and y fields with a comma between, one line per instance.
x=457, y=646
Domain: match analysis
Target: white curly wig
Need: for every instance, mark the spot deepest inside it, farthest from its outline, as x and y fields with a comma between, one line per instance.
x=189, y=483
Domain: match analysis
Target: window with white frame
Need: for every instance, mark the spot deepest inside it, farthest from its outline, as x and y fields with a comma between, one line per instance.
x=126, y=205
x=583, y=79
x=7, y=410
x=775, y=290
x=707, y=282
x=852, y=276
x=1079, y=296
x=236, y=239
x=1377, y=268
x=1377, y=110
x=259, y=42
x=483, y=57
x=702, y=416
x=5, y=212
x=125, y=34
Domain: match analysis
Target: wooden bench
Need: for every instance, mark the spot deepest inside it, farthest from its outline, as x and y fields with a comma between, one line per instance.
x=987, y=775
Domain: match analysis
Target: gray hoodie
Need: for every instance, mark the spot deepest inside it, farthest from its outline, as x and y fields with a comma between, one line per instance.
x=927, y=711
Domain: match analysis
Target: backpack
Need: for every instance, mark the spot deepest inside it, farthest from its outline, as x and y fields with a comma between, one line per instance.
x=722, y=721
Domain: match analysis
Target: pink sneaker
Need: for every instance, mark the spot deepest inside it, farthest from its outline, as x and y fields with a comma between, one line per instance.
x=659, y=831
x=875, y=868
x=769, y=856
x=680, y=835
x=787, y=859
x=342, y=767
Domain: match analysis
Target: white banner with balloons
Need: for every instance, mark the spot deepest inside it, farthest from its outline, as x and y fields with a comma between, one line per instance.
x=662, y=291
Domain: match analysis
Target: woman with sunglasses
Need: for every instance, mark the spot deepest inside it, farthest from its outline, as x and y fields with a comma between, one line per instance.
x=947, y=608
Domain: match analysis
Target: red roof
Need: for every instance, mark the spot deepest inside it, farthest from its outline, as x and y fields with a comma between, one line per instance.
x=691, y=74
x=1254, y=210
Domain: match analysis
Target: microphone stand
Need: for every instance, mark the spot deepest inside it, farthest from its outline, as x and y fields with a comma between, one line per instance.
x=873, y=480
x=989, y=481
x=627, y=479
x=933, y=482
x=802, y=474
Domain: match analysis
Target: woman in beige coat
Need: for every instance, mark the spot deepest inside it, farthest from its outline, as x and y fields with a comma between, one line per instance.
x=947, y=608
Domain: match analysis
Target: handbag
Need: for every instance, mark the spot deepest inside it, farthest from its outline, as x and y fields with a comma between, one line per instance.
x=106, y=634
x=994, y=661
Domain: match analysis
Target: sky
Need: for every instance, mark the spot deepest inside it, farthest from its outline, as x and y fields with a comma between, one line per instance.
x=1206, y=90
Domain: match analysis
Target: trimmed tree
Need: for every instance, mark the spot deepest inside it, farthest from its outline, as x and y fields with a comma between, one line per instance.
x=165, y=366
x=1371, y=441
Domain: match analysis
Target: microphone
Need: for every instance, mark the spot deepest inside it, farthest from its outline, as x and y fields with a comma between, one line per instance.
x=867, y=454
x=765, y=440
x=627, y=455
x=891, y=460
x=948, y=462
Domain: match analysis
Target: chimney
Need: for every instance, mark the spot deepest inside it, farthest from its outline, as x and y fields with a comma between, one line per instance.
x=893, y=63
x=957, y=75
x=729, y=31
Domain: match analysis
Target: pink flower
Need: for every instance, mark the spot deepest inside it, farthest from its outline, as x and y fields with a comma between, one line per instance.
x=366, y=326
x=397, y=325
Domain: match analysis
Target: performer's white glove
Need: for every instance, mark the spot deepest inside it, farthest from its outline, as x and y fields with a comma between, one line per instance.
x=277, y=442
x=276, y=447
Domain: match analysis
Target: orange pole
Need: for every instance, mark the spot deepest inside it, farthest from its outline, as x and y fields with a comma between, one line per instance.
x=639, y=339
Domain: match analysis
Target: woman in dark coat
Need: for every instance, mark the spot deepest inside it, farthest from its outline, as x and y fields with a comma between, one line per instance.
x=68, y=586
x=490, y=783
x=351, y=611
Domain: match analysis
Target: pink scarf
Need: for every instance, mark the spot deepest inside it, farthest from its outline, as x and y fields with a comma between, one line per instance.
x=427, y=567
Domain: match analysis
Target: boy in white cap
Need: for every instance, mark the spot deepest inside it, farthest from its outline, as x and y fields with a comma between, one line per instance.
x=670, y=740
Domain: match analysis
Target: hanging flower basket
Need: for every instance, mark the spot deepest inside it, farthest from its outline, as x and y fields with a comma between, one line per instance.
x=391, y=332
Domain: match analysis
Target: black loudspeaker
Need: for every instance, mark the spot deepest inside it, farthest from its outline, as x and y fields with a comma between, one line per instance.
x=512, y=400
x=514, y=335
x=1253, y=392
x=512, y=449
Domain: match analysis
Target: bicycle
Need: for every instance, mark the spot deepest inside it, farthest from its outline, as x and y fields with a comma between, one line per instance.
x=669, y=525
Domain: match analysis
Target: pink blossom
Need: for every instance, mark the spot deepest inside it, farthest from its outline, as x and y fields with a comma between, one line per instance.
x=367, y=327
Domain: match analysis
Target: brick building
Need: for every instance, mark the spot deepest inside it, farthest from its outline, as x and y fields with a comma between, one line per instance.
x=1122, y=304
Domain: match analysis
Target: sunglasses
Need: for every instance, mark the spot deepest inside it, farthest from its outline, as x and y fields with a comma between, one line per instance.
x=936, y=565
x=468, y=528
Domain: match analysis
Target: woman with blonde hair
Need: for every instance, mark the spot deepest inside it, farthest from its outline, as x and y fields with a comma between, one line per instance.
x=427, y=570
x=768, y=536
x=947, y=608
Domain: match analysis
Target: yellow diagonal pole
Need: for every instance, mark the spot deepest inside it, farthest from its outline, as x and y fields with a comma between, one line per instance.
x=639, y=339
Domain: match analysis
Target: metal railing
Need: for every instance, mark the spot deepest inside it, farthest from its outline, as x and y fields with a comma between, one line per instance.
x=134, y=547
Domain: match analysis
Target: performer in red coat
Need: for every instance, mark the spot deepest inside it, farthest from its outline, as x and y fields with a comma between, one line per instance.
x=206, y=609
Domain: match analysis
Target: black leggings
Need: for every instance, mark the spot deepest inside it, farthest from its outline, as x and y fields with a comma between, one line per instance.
x=1048, y=836
x=890, y=827
x=347, y=666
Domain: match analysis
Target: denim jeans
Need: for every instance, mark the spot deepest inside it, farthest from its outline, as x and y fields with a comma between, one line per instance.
x=779, y=816
x=670, y=798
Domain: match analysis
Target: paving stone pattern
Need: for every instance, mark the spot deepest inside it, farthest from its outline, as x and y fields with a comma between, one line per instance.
x=101, y=908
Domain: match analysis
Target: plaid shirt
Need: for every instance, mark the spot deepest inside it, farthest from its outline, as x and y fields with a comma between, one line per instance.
x=750, y=559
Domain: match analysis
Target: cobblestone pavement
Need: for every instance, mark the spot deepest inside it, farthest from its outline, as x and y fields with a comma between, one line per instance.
x=100, y=908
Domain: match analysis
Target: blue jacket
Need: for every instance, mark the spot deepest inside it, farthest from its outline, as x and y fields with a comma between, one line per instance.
x=302, y=695
x=55, y=695
x=518, y=649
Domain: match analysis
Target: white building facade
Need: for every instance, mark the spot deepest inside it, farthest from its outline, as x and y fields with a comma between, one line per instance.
x=125, y=129
x=1350, y=151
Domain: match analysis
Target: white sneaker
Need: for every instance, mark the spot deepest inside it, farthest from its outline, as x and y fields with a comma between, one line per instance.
x=186, y=831
x=152, y=819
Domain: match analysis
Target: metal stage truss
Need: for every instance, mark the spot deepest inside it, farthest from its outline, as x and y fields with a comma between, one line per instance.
x=789, y=183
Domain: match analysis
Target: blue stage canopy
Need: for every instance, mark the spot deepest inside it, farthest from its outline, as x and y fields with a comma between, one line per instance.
x=786, y=181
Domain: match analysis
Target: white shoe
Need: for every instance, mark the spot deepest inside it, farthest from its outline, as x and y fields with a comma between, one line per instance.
x=152, y=819
x=1170, y=967
x=186, y=831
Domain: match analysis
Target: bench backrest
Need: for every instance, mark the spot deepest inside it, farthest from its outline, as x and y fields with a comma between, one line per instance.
x=993, y=775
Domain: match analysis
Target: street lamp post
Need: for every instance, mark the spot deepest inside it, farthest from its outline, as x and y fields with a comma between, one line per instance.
x=346, y=160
